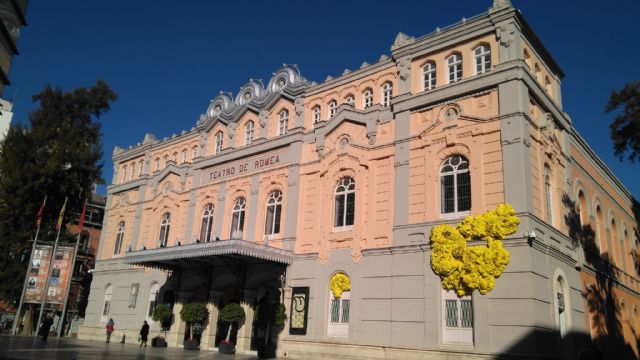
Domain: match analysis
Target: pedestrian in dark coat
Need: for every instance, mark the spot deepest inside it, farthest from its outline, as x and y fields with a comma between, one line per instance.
x=109, y=328
x=44, y=328
x=144, y=332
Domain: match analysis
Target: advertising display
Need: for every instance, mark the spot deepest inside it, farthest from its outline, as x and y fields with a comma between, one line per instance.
x=37, y=273
x=60, y=275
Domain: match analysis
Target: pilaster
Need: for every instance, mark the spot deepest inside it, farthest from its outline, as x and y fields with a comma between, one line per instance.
x=250, y=226
x=136, y=227
x=515, y=136
x=209, y=335
x=403, y=131
x=219, y=210
x=244, y=333
x=192, y=207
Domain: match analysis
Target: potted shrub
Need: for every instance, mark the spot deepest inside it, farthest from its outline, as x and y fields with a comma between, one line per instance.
x=230, y=314
x=194, y=315
x=163, y=314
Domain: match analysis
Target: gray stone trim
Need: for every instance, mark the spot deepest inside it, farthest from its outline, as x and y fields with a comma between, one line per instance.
x=293, y=194
x=105, y=222
x=192, y=207
x=124, y=155
x=515, y=140
x=401, y=169
x=155, y=257
x=130, y=185
x=351, y=76
x=220, y=209
x=136, y=227
x=248, y=151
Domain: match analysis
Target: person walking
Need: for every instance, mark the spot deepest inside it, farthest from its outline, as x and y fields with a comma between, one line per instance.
x=144, y=332
x=109, y=328
x=44, y=328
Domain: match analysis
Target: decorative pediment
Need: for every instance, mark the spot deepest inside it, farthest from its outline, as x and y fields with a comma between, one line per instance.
x=253, y=96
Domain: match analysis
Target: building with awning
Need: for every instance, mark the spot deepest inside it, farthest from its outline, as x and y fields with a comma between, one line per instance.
x=319, y=200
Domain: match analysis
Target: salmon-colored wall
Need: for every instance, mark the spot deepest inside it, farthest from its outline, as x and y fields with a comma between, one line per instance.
x=440, y=60
x=544, y=73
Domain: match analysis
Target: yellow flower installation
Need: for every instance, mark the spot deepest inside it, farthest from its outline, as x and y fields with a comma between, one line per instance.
x=463, y=268
x=339, y=283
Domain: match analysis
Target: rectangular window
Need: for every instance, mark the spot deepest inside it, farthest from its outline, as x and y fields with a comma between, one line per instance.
x=457, y=318
x=345, y=310
x=339, y=220
x=276, y=223
x=351, y=205
x=448, y=194
x=464, y=193
x=335, y=310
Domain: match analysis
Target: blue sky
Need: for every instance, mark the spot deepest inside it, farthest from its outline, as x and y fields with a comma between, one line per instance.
x=167, y=59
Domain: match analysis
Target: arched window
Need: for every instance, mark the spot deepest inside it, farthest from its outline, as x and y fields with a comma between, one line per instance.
x=133, y=171
x=119, y=238
x=483, y=59
x=333, y=107
x=166, y=161
x=237, y=218
x=455, y=185
x=165, y=225
x=615, y=241
x=207, y=223
x=457, y=319
x=106, y=305
x=194, y=152
x=274, y=210
x=153, y=296
x=385, y=96
x=429, y=76
x=141, y=168
x=157, y=164
x=184, y=155
x=561, y=309
x=219, y=137
x=599, y=228
x=339, y=305
x=316, y=114
x=123, y=178
x=582, y=203
x=350, y=100
x=345, y=202
x=454, y=64
x=175, y=157
x=248, y=133
x=547, y=193
x=283, y=123
x=367, y=98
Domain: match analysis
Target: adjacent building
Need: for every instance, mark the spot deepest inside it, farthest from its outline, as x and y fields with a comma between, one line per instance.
x=285, y=190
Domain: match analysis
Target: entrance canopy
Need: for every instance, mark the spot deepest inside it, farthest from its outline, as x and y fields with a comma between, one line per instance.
x=208, y=253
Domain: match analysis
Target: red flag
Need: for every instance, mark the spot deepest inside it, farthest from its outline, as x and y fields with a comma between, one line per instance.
x=81, y=222
x=59, y=224
x=39, y=216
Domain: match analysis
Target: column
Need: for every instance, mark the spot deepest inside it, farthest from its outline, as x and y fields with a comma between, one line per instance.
x=244, y=333
x=209, y=334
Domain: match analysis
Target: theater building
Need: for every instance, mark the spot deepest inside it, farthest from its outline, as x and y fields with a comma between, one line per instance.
x=290, y=185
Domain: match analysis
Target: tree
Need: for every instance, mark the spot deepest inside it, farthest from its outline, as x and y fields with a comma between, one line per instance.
x=625, y=128
x=57, y=155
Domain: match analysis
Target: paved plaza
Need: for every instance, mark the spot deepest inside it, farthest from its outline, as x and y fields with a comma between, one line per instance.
x=28, y=347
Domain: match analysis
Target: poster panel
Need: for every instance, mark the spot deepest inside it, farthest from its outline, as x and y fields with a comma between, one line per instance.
x=38, y=269
x=60, y=275
x=299, y=310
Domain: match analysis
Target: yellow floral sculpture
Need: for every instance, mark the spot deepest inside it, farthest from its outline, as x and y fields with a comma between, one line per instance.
x=339, y=283
x=463, y=268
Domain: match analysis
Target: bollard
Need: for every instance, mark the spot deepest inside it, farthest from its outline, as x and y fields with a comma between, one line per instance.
x=124, y=336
